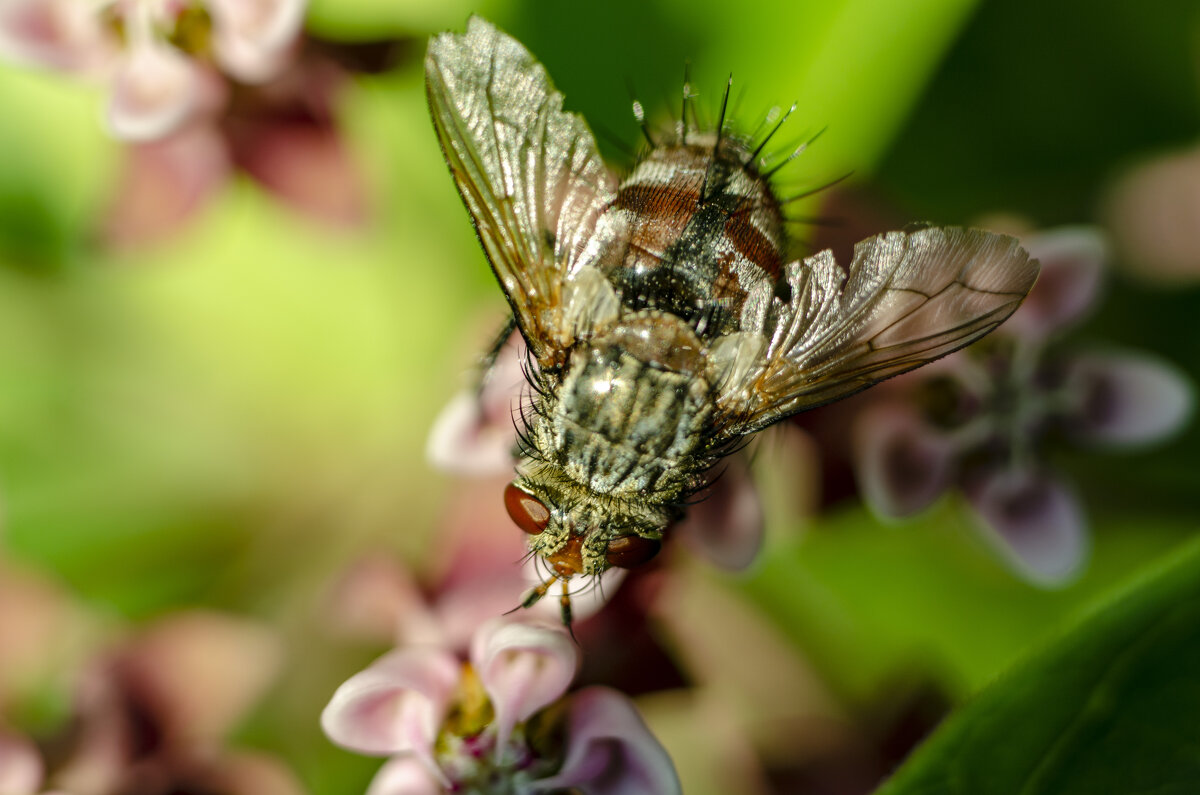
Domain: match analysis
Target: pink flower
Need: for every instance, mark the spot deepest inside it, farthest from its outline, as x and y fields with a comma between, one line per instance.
x=21, y=768
x=154, y=53
x=500, y=723
x=479, y=570
x=151, y=715
x=282, y=132
x=977, y=420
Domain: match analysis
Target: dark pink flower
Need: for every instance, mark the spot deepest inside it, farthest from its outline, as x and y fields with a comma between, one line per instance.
x=150, y=717
x=282, y=132
x=978, y=420
x=497, y=724
x=155, y=54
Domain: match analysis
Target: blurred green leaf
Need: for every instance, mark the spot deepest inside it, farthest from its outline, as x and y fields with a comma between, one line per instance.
x=873, y=604
x=352, y=18
x=853, y=66
x=1110, y=708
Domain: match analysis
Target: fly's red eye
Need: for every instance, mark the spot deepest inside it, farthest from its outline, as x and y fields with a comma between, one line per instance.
x=626, y=552
x=525, y=510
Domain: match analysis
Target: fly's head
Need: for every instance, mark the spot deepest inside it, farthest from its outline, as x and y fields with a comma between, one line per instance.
x=577, y=533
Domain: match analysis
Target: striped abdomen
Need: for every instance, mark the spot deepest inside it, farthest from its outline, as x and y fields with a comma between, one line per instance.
x=704, y=230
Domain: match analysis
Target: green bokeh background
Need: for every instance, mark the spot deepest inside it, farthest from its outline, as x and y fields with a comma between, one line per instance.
x=230, y=416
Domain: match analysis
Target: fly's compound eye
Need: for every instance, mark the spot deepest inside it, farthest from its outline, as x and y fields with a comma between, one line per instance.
x=526, y=510
x=627, y=552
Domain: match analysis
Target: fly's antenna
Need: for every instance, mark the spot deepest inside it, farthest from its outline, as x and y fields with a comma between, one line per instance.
x=754, y=155
x=712, y=161
x=795, y=152
x=639, y=115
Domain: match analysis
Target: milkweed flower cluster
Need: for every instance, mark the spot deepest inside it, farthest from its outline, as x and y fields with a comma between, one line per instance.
x=148, y=713
x=978, y=420
x=500, y=723
x=160, y=58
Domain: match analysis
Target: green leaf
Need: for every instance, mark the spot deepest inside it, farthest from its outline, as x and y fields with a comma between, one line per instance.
x=1112, y=707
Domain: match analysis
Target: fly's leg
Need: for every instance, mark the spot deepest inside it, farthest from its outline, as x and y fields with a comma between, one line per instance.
x=487, y=362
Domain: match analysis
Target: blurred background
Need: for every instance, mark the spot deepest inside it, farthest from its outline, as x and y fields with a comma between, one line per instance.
x=215, y=393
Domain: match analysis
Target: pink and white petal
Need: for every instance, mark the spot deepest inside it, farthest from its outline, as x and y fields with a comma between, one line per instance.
x=475, y=434
x=307, y=166
x=609, y=750
x=901, y=463
x=155, y=89
x=59, y=34
x=463, y=441
x=1035, y=520
x=726, y=526
x=395, y=705
x=1073, y=261
x=1127, y=398
x=523, y=667
x=21, y=767
x=252, y=37
x=377, y=598
x=164, y=183
x=405, y=775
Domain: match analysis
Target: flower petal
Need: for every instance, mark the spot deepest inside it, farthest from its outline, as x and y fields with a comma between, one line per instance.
x=726, y=526
x=463, y=442
x=307, y=166
x=901, y=463
x=154, y=90
x=1154, y=212
x=165, y=182
x=203, y=670
x=523, y=668
x=610, y=751
x=1036, y=520
x=21, y=768
x=474, y=435
x=52, y=33
x=395, y=705
x=377, y=598
x=1073, y=261
x=405, y=775
x=1127, y=398
x=256, y=774
x=252, y=36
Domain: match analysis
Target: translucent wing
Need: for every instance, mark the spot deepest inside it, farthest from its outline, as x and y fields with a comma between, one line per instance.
x=528, y=172
x=908, y=298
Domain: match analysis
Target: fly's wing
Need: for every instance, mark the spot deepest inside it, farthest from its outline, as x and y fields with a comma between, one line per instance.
x=907, y=299
x=528, y=172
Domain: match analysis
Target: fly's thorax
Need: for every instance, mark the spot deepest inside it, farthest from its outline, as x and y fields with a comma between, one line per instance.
x=704, y=231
